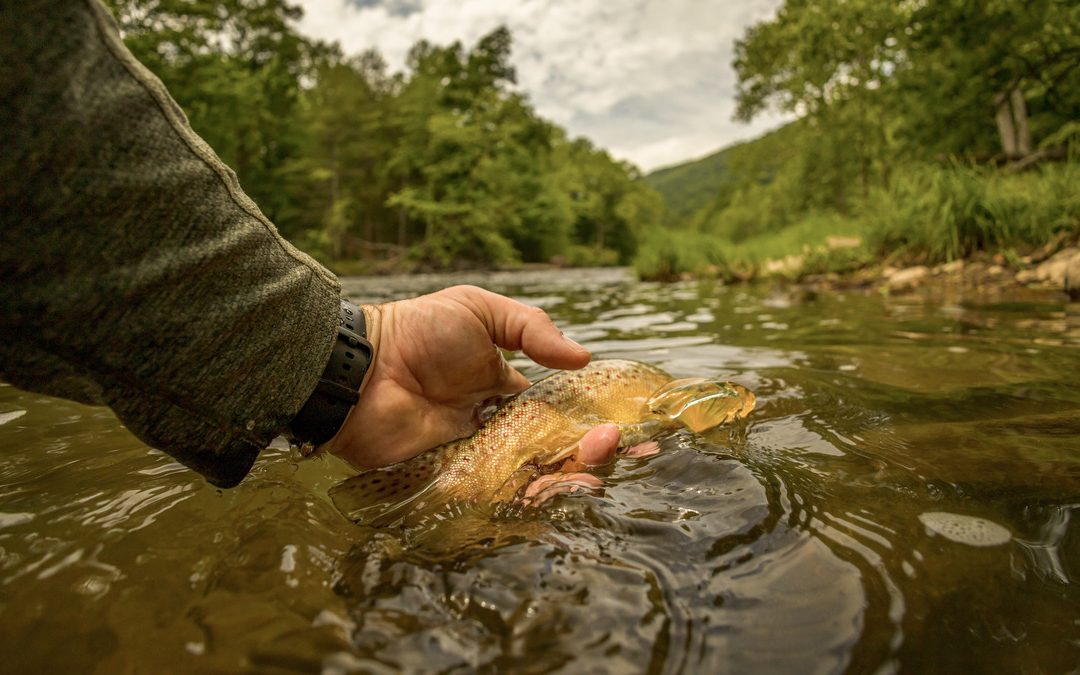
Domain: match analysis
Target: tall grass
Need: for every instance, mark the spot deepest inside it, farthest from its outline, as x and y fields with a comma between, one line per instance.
x=928, y=214
x=804, y=235
x=667, y=254
x=936, y=214
x=673, y=253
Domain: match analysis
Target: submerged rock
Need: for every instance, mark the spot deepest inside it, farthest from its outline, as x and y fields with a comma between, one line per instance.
x=1062, y=270
x=965, y=529
x=950, y=268
x=908, y=279
x=1072, y=278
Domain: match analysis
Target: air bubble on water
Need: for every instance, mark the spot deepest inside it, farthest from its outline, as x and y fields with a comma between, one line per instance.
x=965, y=529
x=288, y=558
x=93, y=586
x=908, y=568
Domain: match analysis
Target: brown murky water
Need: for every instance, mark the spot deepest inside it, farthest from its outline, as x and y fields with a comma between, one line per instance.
x=795, y=545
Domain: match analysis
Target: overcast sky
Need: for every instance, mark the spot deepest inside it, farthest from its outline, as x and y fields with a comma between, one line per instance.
x=650, y=80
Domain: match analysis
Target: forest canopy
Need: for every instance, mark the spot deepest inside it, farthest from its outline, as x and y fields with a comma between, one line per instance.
x=930, y=129
x=444, y=165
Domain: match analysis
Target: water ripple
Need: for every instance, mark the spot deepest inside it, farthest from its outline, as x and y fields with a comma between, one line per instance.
x=791, y=544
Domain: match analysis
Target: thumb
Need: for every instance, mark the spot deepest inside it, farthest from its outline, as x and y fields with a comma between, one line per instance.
x=513, y=325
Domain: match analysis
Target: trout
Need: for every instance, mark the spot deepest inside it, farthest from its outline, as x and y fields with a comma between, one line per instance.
x=534, y=431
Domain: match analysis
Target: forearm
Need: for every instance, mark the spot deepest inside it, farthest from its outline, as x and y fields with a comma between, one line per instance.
x=135, y=272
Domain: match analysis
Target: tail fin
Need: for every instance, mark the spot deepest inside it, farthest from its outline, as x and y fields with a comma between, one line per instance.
x=385, y=496
x=701, y=404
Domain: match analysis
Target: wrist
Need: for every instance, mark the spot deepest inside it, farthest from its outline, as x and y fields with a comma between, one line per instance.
x=345, y=437
x=338, y=387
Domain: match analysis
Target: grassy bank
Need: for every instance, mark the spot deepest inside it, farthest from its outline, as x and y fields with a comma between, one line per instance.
x=928, y=214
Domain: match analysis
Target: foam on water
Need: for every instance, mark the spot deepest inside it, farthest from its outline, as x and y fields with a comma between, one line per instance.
x=965, y=529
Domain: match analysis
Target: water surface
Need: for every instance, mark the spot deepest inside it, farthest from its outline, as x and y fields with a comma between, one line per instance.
x=793, y=544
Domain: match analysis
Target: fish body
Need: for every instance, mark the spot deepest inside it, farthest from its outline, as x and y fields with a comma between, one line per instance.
x=537, y=428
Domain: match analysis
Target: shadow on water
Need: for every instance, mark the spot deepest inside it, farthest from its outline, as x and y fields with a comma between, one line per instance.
x=794, y=544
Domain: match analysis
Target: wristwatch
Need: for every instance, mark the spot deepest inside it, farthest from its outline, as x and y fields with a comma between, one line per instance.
x=338, y=390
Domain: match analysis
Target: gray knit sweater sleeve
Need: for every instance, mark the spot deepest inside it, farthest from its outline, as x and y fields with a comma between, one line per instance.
x=134, y=272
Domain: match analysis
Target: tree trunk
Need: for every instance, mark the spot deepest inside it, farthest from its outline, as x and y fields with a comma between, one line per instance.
x=1012, y=123
x=1020, y=116
x=335, y=230
x=333, y=174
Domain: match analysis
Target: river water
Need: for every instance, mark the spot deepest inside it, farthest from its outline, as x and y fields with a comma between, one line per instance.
x=799, y=543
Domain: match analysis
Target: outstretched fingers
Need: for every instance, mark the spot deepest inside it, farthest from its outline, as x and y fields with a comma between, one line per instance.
x=596, y=447
x=546, y=487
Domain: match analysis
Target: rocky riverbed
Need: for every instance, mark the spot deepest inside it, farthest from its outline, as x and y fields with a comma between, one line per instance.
x=1055, y=266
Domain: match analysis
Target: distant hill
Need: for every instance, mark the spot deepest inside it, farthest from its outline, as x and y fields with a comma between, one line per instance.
x=688, y=187
x=694, y=189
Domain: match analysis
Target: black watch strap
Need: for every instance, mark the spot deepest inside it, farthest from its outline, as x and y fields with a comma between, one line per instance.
x=338, y=389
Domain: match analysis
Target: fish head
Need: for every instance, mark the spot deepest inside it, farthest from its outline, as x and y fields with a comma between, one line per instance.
x=700, y=404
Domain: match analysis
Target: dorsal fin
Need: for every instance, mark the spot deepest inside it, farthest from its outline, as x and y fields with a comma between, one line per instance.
x=384, y=496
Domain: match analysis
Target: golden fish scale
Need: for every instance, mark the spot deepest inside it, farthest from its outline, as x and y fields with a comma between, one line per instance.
x=546, y=418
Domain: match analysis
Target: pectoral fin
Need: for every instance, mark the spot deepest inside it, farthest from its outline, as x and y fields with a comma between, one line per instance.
x=517, y=480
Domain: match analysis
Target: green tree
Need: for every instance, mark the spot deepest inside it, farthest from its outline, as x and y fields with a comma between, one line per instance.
x=445, y=161
x=234, y=67
x=340, y=174
x=990, y=75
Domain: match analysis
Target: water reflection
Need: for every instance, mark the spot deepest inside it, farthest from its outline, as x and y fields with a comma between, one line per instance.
x=794, y=544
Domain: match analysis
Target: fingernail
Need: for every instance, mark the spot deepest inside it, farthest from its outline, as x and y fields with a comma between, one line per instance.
x=572, y=342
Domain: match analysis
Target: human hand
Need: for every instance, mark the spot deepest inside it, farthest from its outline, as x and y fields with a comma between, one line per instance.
x=595, y=448
x=436, y=361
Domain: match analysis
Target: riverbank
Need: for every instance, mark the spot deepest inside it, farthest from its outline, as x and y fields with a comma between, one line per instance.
x=1002, y=225
x=1057, y=271
x=841, y=263
x=1055, y=266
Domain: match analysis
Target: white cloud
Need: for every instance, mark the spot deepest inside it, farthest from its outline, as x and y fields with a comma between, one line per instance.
x=650, y=80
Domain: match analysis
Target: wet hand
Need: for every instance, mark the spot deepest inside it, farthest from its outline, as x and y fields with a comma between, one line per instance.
x=596, y=448
x=437, y=360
